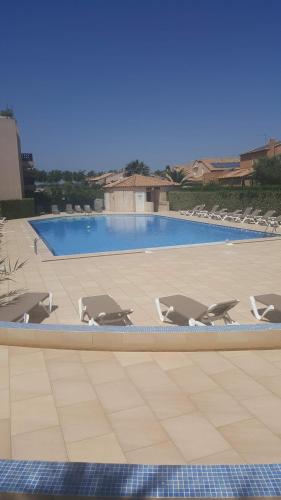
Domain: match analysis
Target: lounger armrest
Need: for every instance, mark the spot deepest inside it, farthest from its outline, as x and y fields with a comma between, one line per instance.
x=114, y=315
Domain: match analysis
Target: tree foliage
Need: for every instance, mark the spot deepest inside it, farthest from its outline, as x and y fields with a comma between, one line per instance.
x=136, y=167
x=176, y=175
x=81, y=194
x=54, y=176
x=7, y=112
x=268, y=170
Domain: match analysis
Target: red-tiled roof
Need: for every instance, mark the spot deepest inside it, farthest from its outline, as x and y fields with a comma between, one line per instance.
x=234, y=174
x=272, y=143
x=141, y=181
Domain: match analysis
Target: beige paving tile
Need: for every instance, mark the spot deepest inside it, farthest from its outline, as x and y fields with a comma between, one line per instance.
x=239, y=385
x=28, y=385
x=162, y=453
x=83, y=420
x=4, y=377
x=4, y=356
x=105, y=371
x=194, y=436
x=46, y=444
x=171, y=360
x=132, y=358
x=4, y=403
x=272, y=384
x=33, y=414
x=162, y=394
x=191, y=379
x=17, y=351
x=210, y=362
x=90, y=356
x=267, y=409
x=66, y=368
x=103, y=449
x=137, y=428
x=230, y=457
x=254, y=365
x=270, y=355
x=118, y=395
x=70, y=391
x=26, y=363
x=5, y=439
x=253, y=441
x=61, y=353
x=219, y=407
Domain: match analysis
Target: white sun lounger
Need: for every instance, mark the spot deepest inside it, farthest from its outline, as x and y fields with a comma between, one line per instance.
x=103, y=310
x=18, y=309
x=272, y=301
x=186, y=311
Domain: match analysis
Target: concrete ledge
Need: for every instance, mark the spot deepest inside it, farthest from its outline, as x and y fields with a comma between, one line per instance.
x=209, y=338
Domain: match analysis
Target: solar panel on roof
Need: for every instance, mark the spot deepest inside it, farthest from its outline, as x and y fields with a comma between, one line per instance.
x=231, y=164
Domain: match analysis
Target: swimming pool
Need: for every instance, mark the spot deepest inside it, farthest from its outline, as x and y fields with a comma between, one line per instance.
x=109, y=233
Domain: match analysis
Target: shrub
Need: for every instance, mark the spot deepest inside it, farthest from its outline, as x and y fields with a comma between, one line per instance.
x=229, y=198
x=17, y=209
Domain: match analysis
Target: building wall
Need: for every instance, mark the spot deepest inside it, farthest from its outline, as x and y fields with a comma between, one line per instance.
x=121, y=201
x=247, y=160
x=10, y=162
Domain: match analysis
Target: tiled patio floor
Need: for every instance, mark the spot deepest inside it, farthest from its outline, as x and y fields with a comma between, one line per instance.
x=173, y=408
x=143, y=407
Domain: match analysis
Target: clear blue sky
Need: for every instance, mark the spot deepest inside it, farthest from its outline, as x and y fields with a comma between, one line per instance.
x=97, y=83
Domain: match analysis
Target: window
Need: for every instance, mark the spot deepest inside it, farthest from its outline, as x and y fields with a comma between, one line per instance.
x=148, y=194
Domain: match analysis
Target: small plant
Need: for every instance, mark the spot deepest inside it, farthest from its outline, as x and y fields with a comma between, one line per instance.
x=7, y=270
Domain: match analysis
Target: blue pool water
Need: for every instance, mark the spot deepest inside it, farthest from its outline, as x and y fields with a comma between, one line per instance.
x=107, y=233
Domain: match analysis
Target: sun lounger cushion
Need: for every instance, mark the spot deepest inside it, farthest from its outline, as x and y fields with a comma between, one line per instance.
x=184, y=306
x=15, y=310
x=103, y=308
x=270, y=299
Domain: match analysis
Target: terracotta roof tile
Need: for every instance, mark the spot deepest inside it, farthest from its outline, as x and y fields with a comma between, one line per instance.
x=141, y=181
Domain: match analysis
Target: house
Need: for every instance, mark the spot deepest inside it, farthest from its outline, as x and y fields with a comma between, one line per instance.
x=237, y=177
x=138, y=193
x=199, y=170
x=11, y=178
x=107, y=178
x=269, y=150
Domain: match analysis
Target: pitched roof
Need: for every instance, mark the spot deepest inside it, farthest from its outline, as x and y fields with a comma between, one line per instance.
x=212, y=164
x=234, y=174
x=265, y=147
x=100, y=177
x=137, y=180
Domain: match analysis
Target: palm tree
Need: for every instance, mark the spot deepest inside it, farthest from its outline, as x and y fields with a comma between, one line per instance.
x=136, y=167
x=178, y=176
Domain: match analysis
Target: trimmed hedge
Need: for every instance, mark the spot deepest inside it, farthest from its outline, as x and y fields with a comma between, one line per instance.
x=231, y=199
x=17, y=209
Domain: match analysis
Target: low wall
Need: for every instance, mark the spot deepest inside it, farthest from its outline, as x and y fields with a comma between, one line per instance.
x=207, y=338
x=231, y=199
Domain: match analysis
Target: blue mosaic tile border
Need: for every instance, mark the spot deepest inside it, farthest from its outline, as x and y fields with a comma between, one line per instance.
x=139, y=481
x=250, y=328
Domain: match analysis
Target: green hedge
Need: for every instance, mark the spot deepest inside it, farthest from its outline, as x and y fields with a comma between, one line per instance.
x=231, y=199
x=17, y=209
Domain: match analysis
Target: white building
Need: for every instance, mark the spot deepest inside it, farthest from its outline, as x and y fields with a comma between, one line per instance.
x=138, y=193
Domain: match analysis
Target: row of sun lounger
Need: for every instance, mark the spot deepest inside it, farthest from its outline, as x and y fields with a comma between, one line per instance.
x=104, y=310
x=248, y=215
x=69, y=209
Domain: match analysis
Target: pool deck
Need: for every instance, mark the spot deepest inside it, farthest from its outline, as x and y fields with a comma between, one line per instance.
x=163, y=408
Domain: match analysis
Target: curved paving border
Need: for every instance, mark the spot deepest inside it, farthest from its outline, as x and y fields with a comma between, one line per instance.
x=140, y=481
x=134, y=338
